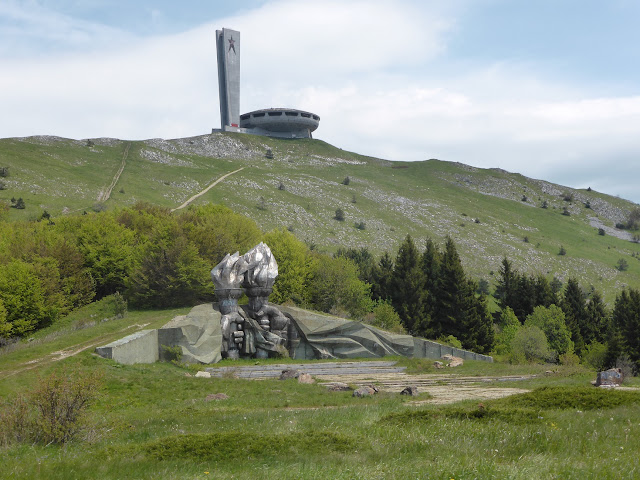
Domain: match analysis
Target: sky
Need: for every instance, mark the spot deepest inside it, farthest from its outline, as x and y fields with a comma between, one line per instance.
x=546, y=88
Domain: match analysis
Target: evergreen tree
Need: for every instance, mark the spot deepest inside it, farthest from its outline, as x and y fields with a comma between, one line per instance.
x=596, y=320
x=573, y=306
x=506, y=287
x=626, y=320
x=451, y=302
x=430, y=265
x=544, y=293
x=383, y=278
x=408, y=287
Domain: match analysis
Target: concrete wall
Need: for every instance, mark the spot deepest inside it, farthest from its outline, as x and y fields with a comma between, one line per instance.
x=140, y=347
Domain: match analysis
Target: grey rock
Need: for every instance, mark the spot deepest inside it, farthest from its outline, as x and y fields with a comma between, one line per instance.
x=365, y=391
x=610, y=378
x=305, y=378
x=410, y=390
x=290, y=373
x=339, y=387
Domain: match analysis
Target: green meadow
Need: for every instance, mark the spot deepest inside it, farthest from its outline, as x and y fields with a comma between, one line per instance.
x=155, y=421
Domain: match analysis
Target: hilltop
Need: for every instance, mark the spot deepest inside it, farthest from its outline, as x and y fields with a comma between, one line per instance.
x=490, y=213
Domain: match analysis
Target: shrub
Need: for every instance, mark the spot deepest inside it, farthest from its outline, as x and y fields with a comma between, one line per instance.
x=562, y=251
x=450, y=340
x=339, y=215
x=530, y=345
x=360, y=225
x=595, y=355
x=566, y=212
x=281, y=186
x=551, y=320
x=385, y=317
x=587, y=204
x=567, y=197
x=346, y=181
x=601, y=232
x=570, y=359
x=51, y=413
x=622, y=265
x=269, y=153
x=545, y=204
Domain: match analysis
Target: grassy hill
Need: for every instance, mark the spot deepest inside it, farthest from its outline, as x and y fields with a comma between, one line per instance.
x=489, y=213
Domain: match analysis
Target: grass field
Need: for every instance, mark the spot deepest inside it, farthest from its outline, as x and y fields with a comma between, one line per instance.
x=154, y=421
x=489, y=213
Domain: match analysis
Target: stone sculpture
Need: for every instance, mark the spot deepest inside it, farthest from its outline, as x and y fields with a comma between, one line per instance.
x=259, y=328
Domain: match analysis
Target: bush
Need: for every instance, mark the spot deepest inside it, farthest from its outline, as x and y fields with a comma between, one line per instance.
x=360, y=225
x=51, y=413
x=385, y=317
x=622, y=265
x=450, y=340
x=346, y=181
x=570, y=359
x=529, y=345
x=566, y=212
x=601, y=232
x=595, y=355
x=339, y=215
x=562, y=251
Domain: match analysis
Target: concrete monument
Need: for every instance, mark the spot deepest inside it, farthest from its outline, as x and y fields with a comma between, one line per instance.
x=226, y=329
x=272, y=122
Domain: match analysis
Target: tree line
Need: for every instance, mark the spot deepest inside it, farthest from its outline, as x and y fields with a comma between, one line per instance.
x=157, y=259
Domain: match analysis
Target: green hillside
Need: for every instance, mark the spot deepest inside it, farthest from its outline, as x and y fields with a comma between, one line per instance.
x=488, y=212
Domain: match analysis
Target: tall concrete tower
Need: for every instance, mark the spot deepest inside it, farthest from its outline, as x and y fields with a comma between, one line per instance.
x=228, y=46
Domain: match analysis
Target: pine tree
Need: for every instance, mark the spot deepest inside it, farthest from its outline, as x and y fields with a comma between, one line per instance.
x=596, y=322
x=407, y=295
x=573, y=306
x=383, y=278
x=626, y=315
x=430, y=265
x=506, y=287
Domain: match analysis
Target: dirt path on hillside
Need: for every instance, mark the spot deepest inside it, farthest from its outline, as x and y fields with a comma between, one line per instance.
x=104, y=195
x=205, y=190
x=70, y=351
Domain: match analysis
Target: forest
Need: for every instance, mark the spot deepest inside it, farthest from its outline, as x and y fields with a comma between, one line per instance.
x=156, y=259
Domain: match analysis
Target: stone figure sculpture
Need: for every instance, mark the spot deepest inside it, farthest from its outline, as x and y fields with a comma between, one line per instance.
x=259, y=328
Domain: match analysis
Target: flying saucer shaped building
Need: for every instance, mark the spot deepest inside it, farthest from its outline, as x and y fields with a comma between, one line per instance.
x=272, y=122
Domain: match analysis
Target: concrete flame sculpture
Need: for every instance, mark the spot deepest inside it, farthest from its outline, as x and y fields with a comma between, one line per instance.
x=260, y=328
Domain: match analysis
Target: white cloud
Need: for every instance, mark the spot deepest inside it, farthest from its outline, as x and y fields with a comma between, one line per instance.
x=371, y=70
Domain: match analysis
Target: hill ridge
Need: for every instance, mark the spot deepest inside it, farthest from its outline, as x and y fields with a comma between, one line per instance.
x=490, y=213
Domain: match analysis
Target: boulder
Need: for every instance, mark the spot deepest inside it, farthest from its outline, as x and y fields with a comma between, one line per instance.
x=305, y=378
x=339, y=387
x=202, y=374
x=610, y=378
x=410, y=390
x=289, y=373
x=453, y=361
x=365, y=391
